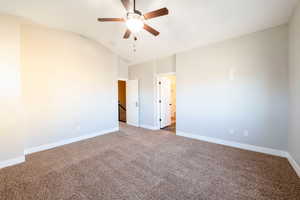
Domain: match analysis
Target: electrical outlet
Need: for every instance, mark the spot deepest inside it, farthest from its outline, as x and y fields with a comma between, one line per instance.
x=78, y=128
x=231, y=131
x=246, y=133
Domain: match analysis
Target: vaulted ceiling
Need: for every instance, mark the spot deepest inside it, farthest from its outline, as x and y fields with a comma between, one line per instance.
x=190, y=23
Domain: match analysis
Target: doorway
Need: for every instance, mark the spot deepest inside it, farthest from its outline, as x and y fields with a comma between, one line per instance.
x=122, y=101
x=128, y=102
x=167, y=102
x=132, y=101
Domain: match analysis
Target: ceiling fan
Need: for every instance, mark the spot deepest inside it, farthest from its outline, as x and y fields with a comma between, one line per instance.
x=135, y=20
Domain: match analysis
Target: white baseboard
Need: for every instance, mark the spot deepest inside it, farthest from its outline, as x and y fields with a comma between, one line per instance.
x=10, y=162
x=249, y=147
x=67, y=141
x=270, y=151
x=294, y=164
x=132, y=124
x=149, y=127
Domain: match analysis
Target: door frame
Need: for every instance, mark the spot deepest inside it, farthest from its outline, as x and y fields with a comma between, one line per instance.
x=157, y=95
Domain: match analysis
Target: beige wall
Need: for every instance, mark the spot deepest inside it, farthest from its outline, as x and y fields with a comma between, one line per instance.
x=54, y=85
x=294, y=128
x=11, y=137
x=69, y=85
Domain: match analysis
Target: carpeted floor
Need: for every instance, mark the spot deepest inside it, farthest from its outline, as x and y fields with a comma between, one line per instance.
x=149, y=165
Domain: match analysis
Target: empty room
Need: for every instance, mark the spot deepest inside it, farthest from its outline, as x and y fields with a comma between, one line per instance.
x=150, y=100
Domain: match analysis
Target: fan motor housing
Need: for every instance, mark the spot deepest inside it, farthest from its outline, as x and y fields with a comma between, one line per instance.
x=135, y=15
x=138, y=12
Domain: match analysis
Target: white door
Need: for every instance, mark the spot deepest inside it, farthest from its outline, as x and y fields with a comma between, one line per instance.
x=132, y=102
x=165, y=102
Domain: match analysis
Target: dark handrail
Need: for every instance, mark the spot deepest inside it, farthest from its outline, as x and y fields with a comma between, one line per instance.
x=120, y=106
x=124, y=110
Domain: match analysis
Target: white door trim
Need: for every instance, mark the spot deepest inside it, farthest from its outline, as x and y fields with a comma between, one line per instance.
x=156, y=97
x=123, y=79
x=129, y=105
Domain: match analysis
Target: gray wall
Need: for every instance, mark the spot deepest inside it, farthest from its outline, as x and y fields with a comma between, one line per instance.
x=147, y=73
x=122, y=69
x=69, y=85
x=166, y=65
x=294, y=132
x=240, y=85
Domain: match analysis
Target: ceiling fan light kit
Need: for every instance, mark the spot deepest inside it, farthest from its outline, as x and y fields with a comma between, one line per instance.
x=135, y=20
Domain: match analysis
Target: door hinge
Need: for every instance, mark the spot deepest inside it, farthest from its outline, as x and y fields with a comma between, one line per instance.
x=160, y=120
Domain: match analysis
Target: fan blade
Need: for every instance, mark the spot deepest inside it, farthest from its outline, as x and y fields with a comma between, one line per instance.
x=127, y=34
x=111, y=20
x=156, y=13
x=126, y=4
x=151, y=30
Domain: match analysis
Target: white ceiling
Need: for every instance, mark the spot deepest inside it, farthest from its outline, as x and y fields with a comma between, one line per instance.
x=190, y=23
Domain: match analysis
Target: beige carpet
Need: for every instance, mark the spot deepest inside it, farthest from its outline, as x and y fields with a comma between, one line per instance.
x=140, y=164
